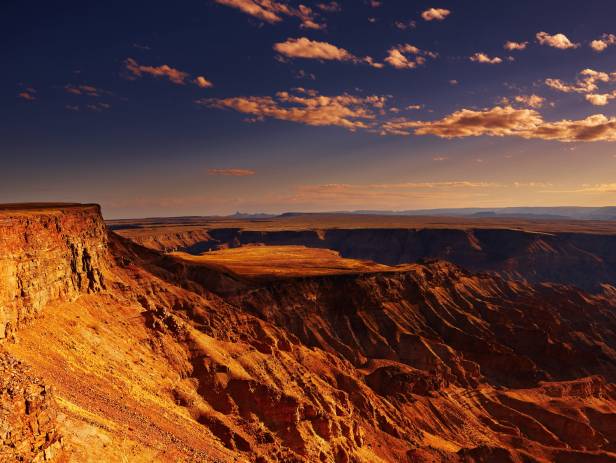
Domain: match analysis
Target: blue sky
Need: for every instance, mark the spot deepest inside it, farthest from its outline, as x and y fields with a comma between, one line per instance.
x=104, y=103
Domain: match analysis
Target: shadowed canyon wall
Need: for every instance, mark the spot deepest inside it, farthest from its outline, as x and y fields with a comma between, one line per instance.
x=583, y=259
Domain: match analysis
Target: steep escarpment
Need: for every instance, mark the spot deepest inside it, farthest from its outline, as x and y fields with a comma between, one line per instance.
x=583, y=259
x=48, y=253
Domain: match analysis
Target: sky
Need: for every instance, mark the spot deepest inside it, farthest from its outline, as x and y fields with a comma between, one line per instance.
x=205, y=107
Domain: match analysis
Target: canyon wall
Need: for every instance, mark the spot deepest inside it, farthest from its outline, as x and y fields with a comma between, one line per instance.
x=48, y=254
x=585, y=260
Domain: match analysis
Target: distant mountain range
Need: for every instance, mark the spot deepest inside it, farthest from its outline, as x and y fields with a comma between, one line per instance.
x=576, y=213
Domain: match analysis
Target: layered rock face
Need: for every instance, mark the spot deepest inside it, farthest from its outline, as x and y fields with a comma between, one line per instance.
x=48, y=254
x=583, y=259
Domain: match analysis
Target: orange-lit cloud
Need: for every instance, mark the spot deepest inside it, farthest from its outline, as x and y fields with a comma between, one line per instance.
x=437, y=14
x=232, y=172
x=331, y=7
x=587, y=83
x=307, y=107
x=605, y=41
x=485, y=59
x=507, y=121
x=515, y=46
x=88, y=90
x=560, y=41
x=369, y=193
x=29, y=94
x=600, y=99
x=311, y=49
x=174, y=75
x=531, y=101
x=164, y=71
x=272, y=11
x=202, y=82
x=407, y=56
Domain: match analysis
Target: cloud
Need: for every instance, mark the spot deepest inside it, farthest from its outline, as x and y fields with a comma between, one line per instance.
x=599, y=188
x=560, y=41
x=407, y=56
x=453, y=82
x=507, y=121
x=483, y=58
x=305, y=48
x=87, y=90
x=174, y=75
x=202, y=82
x=307, y=107
x=368, y=193
x=515, y=46
x=272, y=11
x=29, y=94
x=586, y=83
x=404, y=25
x=531, y=101
x=437, y=14
x=331, y=7
x=600, y=99
x=164, y=71
x=311, y=49
x=98, y=107
x=605, y=41
x=232, y=172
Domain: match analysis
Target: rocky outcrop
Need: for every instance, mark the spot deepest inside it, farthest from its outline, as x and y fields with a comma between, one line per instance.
x=48, y=253
x=28, y=426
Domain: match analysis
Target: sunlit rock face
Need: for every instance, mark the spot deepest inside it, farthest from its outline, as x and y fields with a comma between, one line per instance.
x=48, y=255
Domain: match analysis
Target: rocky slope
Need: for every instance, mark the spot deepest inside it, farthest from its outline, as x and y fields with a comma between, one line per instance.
x=161, y=359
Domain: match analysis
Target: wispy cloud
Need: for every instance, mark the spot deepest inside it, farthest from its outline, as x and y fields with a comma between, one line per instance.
x=232, y=172
x=407, y=56
x=588, y=84
x=530, y=101
x=272, y=11
x=88, y=90
x=166, y=72
x=307, y=107
x=331, y=7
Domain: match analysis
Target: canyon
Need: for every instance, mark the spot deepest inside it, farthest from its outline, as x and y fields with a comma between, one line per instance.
x=305, y=339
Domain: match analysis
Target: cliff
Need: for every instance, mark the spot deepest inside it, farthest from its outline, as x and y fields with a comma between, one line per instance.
x=48, y=253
